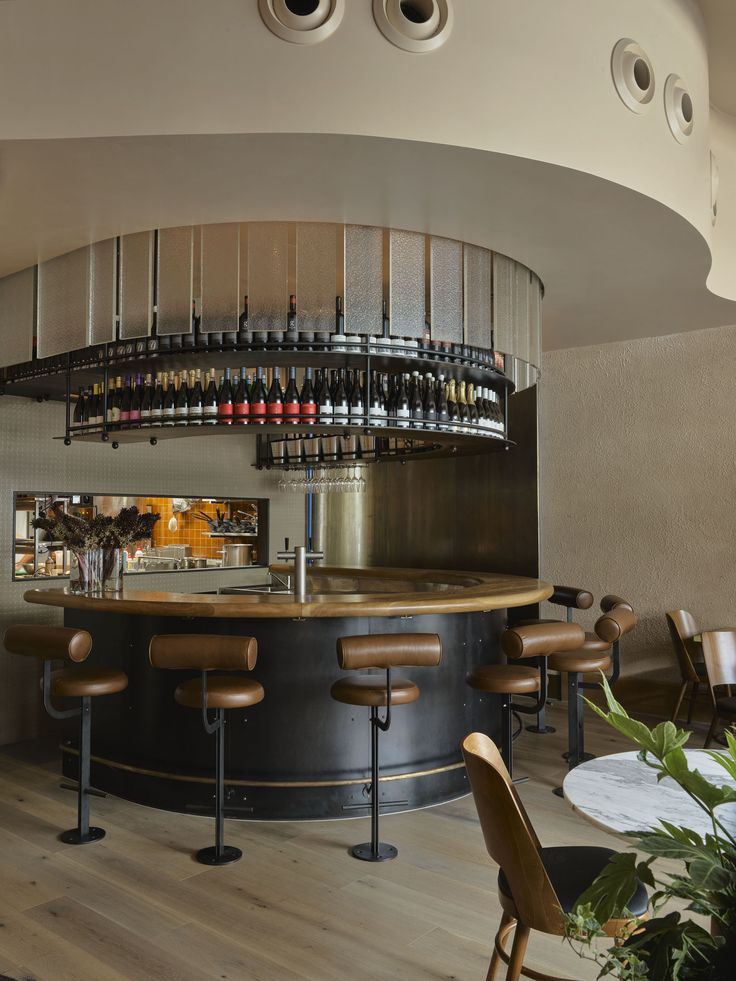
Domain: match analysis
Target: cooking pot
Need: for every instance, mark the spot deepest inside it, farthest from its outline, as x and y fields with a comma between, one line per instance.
x=234, y=554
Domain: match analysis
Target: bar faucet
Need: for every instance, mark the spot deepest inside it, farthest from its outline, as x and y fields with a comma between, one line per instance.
x=299, y=556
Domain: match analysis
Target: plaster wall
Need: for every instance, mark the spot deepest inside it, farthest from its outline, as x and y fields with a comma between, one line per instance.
x=638, y=476
x=31, y=460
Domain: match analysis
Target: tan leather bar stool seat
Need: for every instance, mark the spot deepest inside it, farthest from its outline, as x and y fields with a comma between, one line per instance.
x=594, y=643
x=88, y=682
x=371, y=690
x=501, y=679
x=580, y=663
x=222, y=693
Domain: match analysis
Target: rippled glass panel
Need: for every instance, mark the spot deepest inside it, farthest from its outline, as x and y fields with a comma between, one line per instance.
x=477, y=289
x=503, y=303
x=446, y=289
x=316, y=276
x=407, y=301
x=175, y=261
x=63, y=298
x=102, y=273
x=17, y=303
x=220, y=287
x=363, y=279
x=268, y=275
x=136, y=285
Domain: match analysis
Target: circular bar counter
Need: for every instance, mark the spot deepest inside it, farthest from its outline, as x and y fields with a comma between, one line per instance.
x=299, y=754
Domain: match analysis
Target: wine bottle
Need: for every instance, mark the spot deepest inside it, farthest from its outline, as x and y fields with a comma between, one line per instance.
x=443, y=416
x=167, y=413
x=195, y=409
x=157, y=405
x=78, y=415
x=416, y=401
x=340, y=404
x=357, y=402
x=275, y=405
x=196, y=321
x=244, y=332
x=452, y=409
x=181, y=405
x=376, y=410
x=292, y=330
x=125, y=404
x=210, y=407
x=386, y=346
x=473, y=414
x=136, y=400
x=403, y=407
x=241, y=400
x=146, y=402
x=258, y=399
x=430, y=403
x=110, y=399
x=338, y=338
x=292, y=407
x=307, y=399
x=326, y=405
x=116, y=402
x=462, y=407
x=86, y=408
x=225, y=407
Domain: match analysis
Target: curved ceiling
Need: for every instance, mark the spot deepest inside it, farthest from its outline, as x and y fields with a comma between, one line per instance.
x=720, y=23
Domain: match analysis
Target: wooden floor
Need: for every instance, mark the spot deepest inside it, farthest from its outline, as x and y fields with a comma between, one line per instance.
x=136, y=906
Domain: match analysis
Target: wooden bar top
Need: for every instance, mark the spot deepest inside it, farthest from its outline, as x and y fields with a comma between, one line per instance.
x=332, y=592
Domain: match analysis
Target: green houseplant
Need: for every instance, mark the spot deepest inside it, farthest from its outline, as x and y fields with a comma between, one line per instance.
x=667, y=945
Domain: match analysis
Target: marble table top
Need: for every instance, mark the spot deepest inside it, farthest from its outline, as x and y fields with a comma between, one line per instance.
x=619, y=794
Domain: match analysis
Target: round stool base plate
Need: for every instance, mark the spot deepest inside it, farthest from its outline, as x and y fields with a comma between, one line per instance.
x=541, y=731
x=558, y=792
x=228, y=855
x=583, y=759
x=366, y=854
x=73, y=837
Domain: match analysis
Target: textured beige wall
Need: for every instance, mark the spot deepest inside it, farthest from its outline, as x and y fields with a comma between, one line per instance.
x=30, y=460
x=638, y=444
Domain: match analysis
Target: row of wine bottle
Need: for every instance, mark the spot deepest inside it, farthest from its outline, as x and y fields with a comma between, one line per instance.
x=336, y=397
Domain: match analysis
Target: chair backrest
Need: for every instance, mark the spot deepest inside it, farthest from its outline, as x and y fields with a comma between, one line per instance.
x=389, y=651
x=510, y=837
x=719, y=654
x=682, y=629
x=619, y=620
x=48, y=643
x=610, y=601
x=541, y=639
x=203, y=652
x=571, y=597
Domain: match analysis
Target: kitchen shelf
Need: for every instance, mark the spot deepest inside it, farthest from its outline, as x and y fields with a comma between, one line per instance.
x=231, y=534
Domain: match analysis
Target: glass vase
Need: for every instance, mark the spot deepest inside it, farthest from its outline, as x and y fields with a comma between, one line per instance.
x=96, y=570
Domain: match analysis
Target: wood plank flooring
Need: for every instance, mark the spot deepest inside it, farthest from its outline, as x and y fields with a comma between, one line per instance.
x=297, y=908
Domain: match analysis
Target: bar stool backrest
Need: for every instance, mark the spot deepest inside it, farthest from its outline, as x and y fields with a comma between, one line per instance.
x=611, y=601
x=389, y=651
x=509, y=836
x=572, y=597
x=682, y=629
x=48, y=643
x=541, y=639
x=719, y=654
x=203, y=652
x=619, y=620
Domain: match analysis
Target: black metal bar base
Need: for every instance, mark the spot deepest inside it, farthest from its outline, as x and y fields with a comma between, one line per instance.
x=213, y=855
x=541, y=731
x=558, y=792
x=581, y=759
x=367, y=853
x=75, y=836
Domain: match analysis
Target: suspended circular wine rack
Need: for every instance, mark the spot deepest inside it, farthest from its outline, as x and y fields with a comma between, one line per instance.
x=368, y=304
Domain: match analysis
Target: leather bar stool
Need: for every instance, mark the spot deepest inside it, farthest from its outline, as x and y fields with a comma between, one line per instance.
x=571, y=598
x=68, y=644
x=385, y=651
x=600, y=649
x=532, y=643
x=206, y=653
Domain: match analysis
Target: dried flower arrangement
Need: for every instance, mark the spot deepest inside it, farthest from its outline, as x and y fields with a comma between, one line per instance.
x=102, y=531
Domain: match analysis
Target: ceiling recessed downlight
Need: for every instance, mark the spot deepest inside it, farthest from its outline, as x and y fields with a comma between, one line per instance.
x=414, y=25
x=633, y=75
x=678, y=107
x=302, y=21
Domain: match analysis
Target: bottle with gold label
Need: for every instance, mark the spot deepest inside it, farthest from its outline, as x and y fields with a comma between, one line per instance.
x=473, y=414
x=462, y=408
x=453, y=414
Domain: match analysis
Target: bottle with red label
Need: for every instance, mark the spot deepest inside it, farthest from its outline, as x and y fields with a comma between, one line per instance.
x=241, y=407
x=225, y=401
x=258, y=399
x=292, y=406
x=275, y=406
x=308, y=399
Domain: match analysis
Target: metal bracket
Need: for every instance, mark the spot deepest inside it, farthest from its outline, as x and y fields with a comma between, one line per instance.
x=54, y=712
x=209, y=727
x=384, y=724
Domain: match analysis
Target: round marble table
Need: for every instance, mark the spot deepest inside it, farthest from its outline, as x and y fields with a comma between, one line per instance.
x=619, y=794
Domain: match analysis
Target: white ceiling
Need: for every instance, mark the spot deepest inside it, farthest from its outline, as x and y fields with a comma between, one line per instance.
x=720, y=22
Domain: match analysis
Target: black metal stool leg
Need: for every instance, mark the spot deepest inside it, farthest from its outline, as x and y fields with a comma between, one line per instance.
x=506, y=734
x=541, y=728
x=83, y=834
x=575, y=726
x=221, y=854
x=375, y=851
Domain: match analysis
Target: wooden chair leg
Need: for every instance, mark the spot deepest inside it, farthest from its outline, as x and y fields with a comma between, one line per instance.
x=693, y=699
x=711, y=731
x=678, y=703
x=516, y=960
x=507, y=922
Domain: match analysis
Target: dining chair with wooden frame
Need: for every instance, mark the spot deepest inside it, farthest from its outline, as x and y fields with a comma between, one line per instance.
x=719, y=654
x=537, y=886
x=687, y=645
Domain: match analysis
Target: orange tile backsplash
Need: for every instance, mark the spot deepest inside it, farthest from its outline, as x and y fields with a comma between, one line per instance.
x=191, y=530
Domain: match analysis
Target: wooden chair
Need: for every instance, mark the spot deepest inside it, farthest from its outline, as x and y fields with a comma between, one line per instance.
x=536, y=885
x=719, y=653
x=688, y=648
